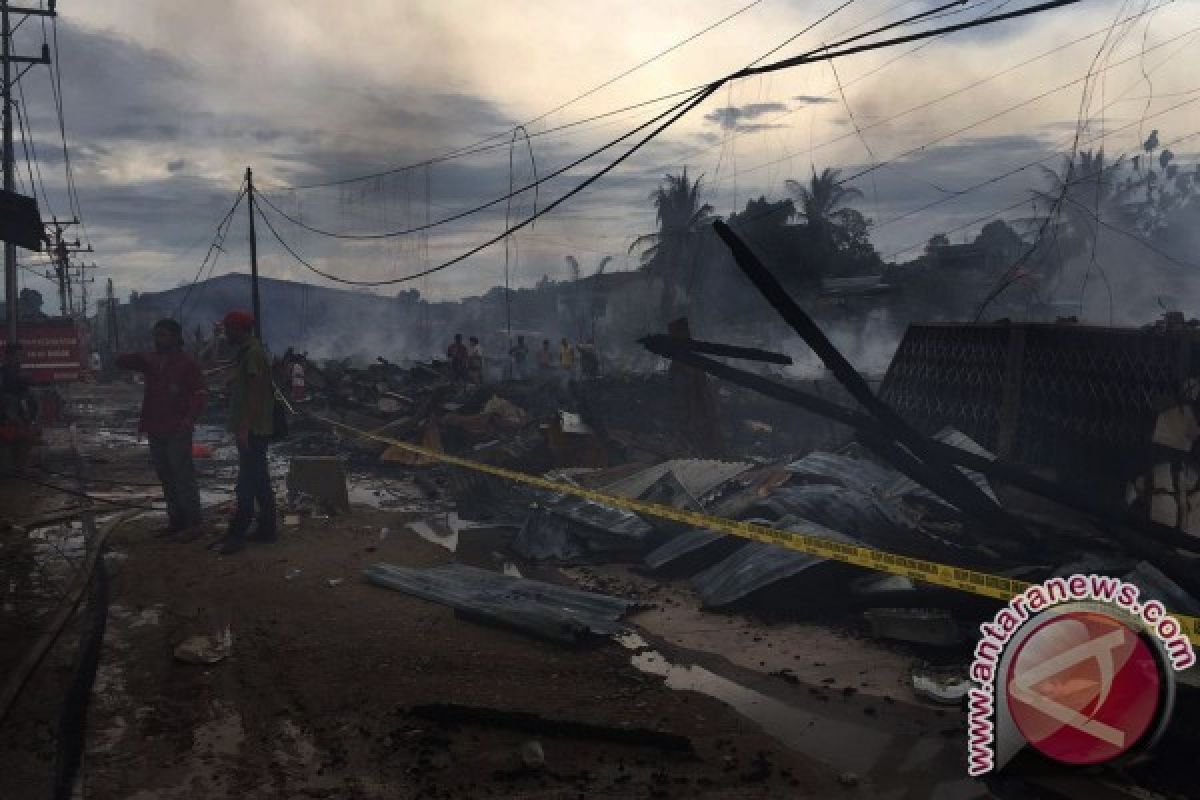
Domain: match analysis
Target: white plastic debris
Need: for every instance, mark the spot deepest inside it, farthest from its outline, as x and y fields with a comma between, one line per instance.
x=943, y=685
x=292, y=573
x=334, y=582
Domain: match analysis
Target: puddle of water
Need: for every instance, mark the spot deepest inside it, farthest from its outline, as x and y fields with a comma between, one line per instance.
x=842, y=745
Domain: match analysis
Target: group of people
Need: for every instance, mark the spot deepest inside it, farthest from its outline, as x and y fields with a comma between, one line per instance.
x=466, y=362
x=173, y=399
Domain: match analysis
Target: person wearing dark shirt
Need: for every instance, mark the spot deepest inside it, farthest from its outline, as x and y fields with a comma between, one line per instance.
x=174, y=398
x=458, y=355
x=18, y=408
x=520, y=354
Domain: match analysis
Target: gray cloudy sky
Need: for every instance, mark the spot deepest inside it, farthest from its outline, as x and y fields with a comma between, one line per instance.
x=168, y=101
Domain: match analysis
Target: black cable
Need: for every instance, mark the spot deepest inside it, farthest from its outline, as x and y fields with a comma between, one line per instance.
x=475, y=210
x=75, y=493
x=56, y=87
x=470, y=149
x=33, y=147
x=692, y=102
x=25, y=147
x=139, y=484
x=72, y=726
x=216, y=244
x=973, y=85
x=538, y=181
x=1014, y=171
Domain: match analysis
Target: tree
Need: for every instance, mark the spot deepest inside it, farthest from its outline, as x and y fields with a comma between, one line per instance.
x=822, y=206
x=584, y=298
x=29, y=303
x=668, y=252
x=936, y=241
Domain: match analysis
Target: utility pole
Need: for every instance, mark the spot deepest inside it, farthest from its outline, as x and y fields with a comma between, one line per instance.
x=7, y=59
x=111, y=319
x=253, y=255
x=10, y=249
x=64, y=274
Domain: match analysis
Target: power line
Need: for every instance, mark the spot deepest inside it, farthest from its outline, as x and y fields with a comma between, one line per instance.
x=216, y=245
x=33, y=147
x=1023, y=201
x=973, y=85
x=692, y=102
x=472, y=148
x=476, y=209
x=56, y=88
x=925, y=145
x=482, y=146
x=1014, y=170
x=811, y=56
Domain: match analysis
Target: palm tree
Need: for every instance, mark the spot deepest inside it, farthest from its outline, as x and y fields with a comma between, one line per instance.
x=585, y=302
x=823, y=206
x=1080, y=191
x=680, y=216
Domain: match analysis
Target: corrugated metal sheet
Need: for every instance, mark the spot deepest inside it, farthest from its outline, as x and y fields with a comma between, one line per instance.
x=698, y=476
x=820, y=466
x=879, y=520
x=756, y=565
x=573, y=529
x=904, y=486
x=542, y=609
x=680, y=545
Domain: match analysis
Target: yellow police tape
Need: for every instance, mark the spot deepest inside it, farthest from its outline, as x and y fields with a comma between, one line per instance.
x=931, y=572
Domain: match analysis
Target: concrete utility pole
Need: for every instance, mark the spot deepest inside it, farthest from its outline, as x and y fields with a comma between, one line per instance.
x=10, y=249
x=7, y=59
x=65, y=274
x=253, y=256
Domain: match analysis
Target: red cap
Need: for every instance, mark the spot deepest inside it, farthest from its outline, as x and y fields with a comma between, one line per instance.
x=241, y=320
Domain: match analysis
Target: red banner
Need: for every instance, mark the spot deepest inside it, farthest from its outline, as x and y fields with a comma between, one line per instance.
x=53, y=351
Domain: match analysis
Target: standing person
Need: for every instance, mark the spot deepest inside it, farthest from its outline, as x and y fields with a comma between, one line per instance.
x=566, y=357
x=519, y=353
x=457, y=354
x=545, y=359
x=172, y=401
x=251, y=419
x=18, y=408
x=297, y=377
x=475, y=362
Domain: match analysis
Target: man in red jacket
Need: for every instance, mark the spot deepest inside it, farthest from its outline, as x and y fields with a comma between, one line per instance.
x=173, y=399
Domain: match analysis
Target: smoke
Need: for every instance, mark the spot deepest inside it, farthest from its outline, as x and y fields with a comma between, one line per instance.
x=868, y=344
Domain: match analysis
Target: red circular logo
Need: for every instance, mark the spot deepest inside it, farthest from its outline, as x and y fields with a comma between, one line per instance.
x=1083, y=688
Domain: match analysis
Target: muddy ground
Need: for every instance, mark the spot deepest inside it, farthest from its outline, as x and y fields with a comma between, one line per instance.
x=316, y=696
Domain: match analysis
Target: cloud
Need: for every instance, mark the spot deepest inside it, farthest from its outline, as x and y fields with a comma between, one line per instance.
x=163, y=122
x=730, y=117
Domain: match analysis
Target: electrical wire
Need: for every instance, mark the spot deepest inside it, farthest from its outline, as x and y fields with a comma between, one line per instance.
x=692, y=102
x=56, y=88
x=473, y=148
x=809, y=57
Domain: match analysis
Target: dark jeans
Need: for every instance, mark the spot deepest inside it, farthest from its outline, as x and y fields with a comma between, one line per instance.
x=253, y=485
x=172, y=457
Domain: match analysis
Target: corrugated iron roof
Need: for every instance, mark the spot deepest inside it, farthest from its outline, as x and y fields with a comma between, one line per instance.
x=697, y=475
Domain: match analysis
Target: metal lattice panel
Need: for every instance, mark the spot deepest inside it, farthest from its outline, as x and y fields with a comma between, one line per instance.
x=1082, y=400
